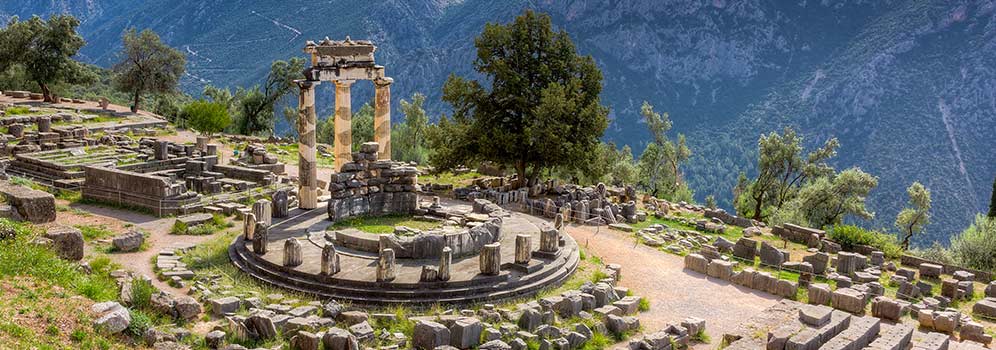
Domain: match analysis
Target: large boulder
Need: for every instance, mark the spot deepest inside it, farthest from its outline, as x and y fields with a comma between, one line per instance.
x=67, y=241
x=32, y=205
x=429, y=335
x=187, y=308
x=128, y=242
x=112, y=317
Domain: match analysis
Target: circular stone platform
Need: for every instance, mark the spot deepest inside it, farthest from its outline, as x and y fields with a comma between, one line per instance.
x=356, y=281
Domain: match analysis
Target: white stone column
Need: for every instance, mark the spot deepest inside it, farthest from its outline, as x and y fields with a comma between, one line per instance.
x=343, y=127
x=382, y=116
x=307, y=166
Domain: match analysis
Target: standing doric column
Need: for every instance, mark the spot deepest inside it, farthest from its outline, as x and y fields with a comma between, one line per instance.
x=343, y=127
x=382, y=116
x=307, y=167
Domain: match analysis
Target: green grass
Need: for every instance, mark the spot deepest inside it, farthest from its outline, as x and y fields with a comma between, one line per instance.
x=383, y=224
x=91, y=232
x=18, y=110
x=217, y=223
x=20, y=257
x=17, y=180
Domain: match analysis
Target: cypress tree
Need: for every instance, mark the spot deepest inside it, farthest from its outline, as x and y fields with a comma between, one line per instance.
x=992, y=202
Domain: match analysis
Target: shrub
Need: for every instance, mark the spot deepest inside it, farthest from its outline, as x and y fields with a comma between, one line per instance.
x=850, y=236
x=141, y=293
x=644, y=305
x=17, y=110
x=179, y=228
x=140, y=322
x=207, y=117
x=976, y=246
x=937, y=253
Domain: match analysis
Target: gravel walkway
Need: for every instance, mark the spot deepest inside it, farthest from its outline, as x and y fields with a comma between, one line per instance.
x=674, y=293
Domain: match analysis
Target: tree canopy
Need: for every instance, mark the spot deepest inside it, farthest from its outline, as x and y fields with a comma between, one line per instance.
x=541, y=109
x=782, y=172
x=207, y=117
x=660, y=162
x=408, y=138
x=254, y=109
x=916, y=216
x=44, y=51
x=147, y=65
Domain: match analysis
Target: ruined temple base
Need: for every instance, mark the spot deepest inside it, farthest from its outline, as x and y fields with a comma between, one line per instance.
x=357, y=280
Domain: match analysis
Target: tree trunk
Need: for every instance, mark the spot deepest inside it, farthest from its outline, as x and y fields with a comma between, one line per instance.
x=520, y=170
x=906, y=240
x=45, y=92
x=138, y=98
x=759, y=202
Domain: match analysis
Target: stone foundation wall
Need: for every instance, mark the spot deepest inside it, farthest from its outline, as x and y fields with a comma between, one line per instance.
x=909, y=260
x=803, y=235
x=728, y=218
x=367, y=186
x=127, y=188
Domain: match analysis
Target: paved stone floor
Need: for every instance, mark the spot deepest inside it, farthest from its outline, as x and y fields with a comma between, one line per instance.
x=674, y=292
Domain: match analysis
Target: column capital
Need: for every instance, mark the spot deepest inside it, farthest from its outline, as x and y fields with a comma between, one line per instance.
x=344, y=83
x=306, y=84
x=383, y=81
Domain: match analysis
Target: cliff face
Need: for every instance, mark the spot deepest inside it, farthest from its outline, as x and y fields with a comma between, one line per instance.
x=907, y=86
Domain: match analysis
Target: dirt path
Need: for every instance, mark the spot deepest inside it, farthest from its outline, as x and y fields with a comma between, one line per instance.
x=674, y=292
x=115, y=221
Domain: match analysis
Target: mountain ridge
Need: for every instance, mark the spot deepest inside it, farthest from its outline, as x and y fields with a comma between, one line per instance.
x=907, y=86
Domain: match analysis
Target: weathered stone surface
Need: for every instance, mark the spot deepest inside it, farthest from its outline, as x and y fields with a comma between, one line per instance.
x=887, y=308
x=497, y=344
x=280, y=203
x=721, y=269
x=67, y=242
x=928, y=270
x=490, y=259
x=214, y=339
x=305, y=341
x=991, y=290
x=32, y=205
x=428, y=335
x=262, y=326
x=985, y=307
x=819, y=294
x=746, y=249
x=848, y=263
x=815, y=315
x=849, y=300
x=187, y=307
x=330, y=260
x=617, y=324
x=363, y=331
x=223, y=306
x=292, y=252
x=696, y=262
x=770, y=255
x=111, y=317
x=820, y=261
x=128, y=242
x=523, y=248
x=340, y=339
x=260, y=238
x=465, y=332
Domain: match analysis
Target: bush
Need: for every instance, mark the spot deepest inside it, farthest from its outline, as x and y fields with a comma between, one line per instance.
x=141, y=293
x=850, y=236
x=140, y=322
x=936, y=253
x=207, y=117
x=976, y=246
x=17, y=110
x=179, y=228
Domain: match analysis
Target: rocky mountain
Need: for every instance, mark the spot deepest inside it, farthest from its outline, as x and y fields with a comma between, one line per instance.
x=907, y=86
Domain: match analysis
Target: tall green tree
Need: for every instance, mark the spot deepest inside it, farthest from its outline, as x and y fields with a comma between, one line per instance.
x=782, y=172
x=912, y=219
x=408, y=138
x=255, y=108
x=992, y=202
x=661, y=160
x=44, y=51
x=541, y=109
x=148, y=66
x=826, y=200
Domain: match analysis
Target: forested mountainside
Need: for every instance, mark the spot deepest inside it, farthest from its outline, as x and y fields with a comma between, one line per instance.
x=907, y=86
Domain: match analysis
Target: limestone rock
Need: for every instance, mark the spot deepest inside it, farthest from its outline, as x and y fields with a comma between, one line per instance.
x=428, y=335
x=68, y=242
x=35, y=206
x=113, y=318
x=128, y=242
